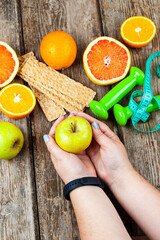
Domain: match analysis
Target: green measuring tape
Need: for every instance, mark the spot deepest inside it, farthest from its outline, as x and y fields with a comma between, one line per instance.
x=139, y=111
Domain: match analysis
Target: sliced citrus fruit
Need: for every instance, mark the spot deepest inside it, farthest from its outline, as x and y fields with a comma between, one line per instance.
x=17, y=101
x=9, y=64
x=106, y=60
x=138, y=31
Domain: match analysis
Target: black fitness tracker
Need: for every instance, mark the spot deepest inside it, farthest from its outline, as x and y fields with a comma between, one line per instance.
x=93, y=181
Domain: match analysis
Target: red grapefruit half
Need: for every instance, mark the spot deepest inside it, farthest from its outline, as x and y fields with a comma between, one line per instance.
x=9, y=64
x=106, y=60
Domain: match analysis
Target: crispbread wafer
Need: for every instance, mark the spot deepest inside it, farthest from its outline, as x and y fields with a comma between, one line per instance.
x=49, y=107
x=56, y=96
x=69, y=107
x=25, y=56
x=46, y=75
x=60, y=98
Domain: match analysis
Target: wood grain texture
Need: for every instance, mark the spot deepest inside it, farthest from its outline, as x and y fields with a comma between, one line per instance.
x=29, y=182
x=143, y=149
x=56, y=217
x=81, y=20
x=17, y=202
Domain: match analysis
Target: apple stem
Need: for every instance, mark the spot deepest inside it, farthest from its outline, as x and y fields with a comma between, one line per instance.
x=73, y=127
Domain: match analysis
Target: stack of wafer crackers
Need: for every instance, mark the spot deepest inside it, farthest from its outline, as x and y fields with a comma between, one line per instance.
x=54, y=91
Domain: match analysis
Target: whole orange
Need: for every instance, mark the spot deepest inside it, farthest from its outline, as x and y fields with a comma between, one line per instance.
x=58, y=50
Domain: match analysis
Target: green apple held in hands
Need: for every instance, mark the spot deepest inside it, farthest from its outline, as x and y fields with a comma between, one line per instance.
x=74, y=134
x=11, y=140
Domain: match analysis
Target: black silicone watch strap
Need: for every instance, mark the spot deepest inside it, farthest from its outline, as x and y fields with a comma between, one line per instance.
x=94, y=181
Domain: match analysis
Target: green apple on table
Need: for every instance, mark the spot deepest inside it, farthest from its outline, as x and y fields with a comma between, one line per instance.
x=11, y=140
x=74, y=134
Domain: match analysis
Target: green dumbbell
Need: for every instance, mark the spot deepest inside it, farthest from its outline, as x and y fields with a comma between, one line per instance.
x=122, y=114
x=100, y=109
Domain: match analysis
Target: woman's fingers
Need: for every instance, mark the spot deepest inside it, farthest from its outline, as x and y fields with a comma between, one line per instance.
x=93, y=148
x=71, y=115
x=53, y=128
x=99, y=136
x=84, y=115
x=53, y=148
x=104, y=128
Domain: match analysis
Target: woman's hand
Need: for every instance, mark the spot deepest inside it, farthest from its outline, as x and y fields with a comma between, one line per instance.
x=69, y=166
x=106, y=151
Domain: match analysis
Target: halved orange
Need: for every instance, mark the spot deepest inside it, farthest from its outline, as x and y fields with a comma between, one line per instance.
x=106, y=60
x=17, y=101
x=138, y=31
x=9, y=64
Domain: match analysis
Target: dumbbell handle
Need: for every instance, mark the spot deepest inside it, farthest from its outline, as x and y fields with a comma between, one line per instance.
x=119, y=91
x=122, y=114
x=100, y=109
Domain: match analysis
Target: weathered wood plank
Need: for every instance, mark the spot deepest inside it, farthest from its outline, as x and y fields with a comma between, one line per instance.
x=143, y=149
x=17, y=203
x=81, y=20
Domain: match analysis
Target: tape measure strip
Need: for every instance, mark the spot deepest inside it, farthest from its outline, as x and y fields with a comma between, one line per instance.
x=139, y=111
x=133, y=106
x=158, y=71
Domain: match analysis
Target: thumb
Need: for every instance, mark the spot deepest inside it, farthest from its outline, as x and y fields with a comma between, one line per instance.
x=98, y=135
x=53, y=148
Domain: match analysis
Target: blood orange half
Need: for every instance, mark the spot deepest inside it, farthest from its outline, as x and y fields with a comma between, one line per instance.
x=9, y=64
x=106, y=60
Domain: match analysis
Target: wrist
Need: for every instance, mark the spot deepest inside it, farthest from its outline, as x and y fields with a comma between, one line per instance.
x=81, y=182
x=83, y=192
x=123, y=178
x=70, y=178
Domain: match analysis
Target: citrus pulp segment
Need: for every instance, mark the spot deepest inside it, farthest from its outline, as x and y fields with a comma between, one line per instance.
x=9, y=64
x=106, y=60
x=17, y=101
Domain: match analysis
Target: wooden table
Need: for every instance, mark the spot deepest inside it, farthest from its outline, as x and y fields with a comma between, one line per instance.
x=31, y=194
